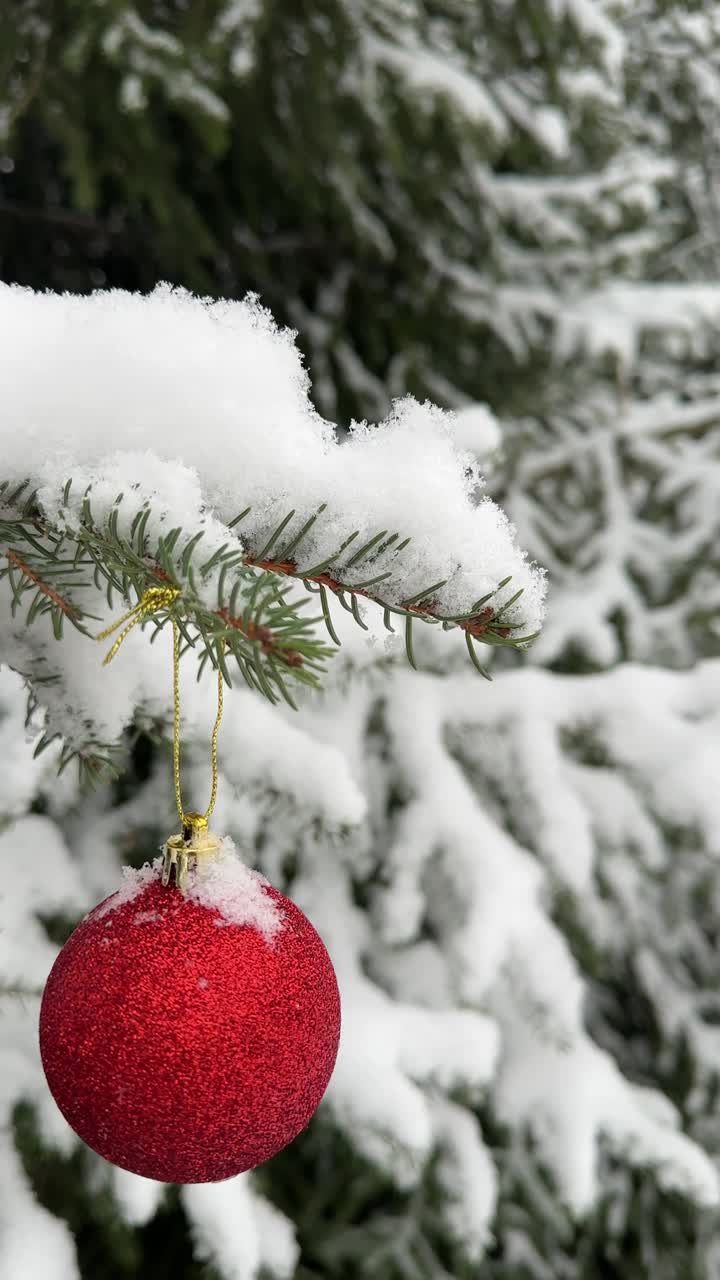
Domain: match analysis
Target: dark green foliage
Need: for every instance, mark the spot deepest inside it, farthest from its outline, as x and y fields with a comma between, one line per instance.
x=361, y=211
x=352, y=1224
x=107, y=1248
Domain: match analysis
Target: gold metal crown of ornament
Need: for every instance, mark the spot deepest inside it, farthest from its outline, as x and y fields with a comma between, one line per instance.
x=192, y=847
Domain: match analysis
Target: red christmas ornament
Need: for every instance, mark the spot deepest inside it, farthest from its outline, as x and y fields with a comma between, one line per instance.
x=182, y=1045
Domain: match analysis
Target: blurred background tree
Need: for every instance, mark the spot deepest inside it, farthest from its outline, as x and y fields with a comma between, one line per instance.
x=510, y=207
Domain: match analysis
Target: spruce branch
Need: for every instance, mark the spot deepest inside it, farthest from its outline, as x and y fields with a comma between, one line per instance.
x=97, y=762
x=269, y=639
x=486, y=625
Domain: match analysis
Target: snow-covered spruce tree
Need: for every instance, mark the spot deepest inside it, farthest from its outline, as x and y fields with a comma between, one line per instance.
x=609, y=471
x=399, y=809
x=361, y=165
x=614, y=486
x=615, y=489
x=613, y=473
x=221, y=397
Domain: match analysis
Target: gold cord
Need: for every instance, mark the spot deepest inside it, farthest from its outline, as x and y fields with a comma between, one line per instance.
x=154, y=599
x=196, y=821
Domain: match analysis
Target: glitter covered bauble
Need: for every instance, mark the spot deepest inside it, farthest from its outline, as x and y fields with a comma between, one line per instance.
x=187, y=1036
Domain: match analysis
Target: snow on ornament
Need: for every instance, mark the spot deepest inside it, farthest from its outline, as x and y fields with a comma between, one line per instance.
x=188, y=1035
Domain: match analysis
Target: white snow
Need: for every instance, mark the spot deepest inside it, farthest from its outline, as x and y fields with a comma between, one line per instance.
x=614, y=318
x=435, y=75
x=594, y=23
x=205, y=406
x=21, y=773
x=39, y=875
x=222, y=883
x=544, y=124
x=34, y=1242
x=237, y=19
x=155, y=55
x=238, y=1230
x=493, y=1004
x=134, y=883
x=467, y=1174
x=149, y=37
x=137, y=1198
x=394, y=1054
x=476, y=430
x=483, y=895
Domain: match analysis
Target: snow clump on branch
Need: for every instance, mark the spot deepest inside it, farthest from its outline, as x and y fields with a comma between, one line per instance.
x=218, y=388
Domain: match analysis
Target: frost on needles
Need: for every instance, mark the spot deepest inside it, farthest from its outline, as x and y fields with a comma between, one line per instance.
x=167, y=438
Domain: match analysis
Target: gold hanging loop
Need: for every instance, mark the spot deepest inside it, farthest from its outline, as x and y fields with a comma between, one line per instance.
x=194, y=843
x=154, y=599
x=193, y=819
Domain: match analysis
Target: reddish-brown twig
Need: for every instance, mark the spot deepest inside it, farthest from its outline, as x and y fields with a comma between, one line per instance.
x=44, y=587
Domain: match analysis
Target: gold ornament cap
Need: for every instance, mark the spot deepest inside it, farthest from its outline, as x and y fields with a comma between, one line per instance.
x=191, y=847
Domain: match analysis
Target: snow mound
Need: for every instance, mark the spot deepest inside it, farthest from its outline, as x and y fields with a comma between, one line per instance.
x=224, y=884
x=206, y=404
